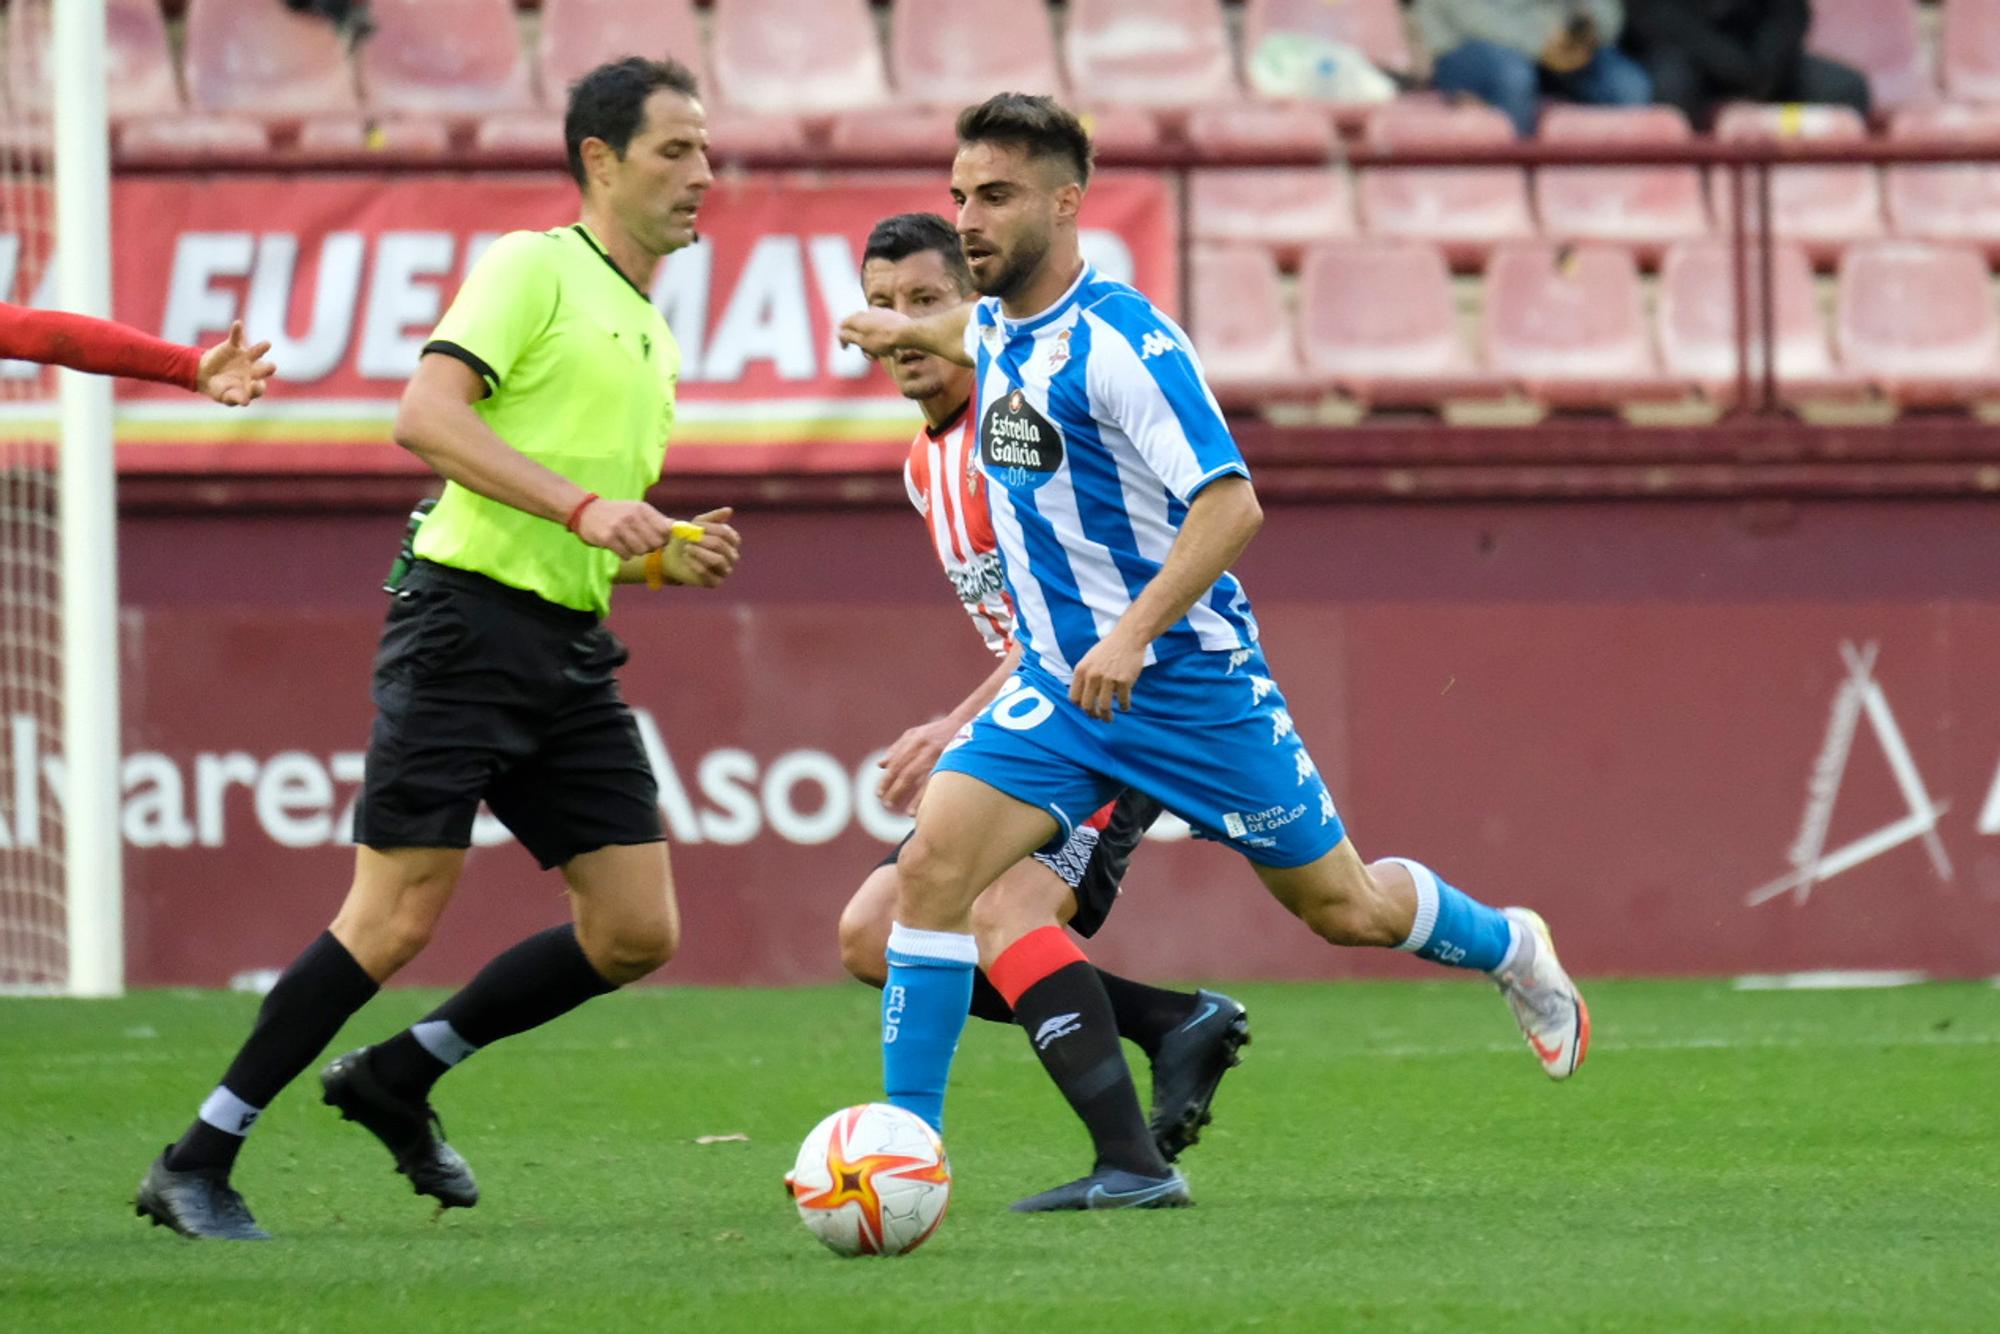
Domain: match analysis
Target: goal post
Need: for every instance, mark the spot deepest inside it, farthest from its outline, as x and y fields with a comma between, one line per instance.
x=61, y=872
x=93, y=869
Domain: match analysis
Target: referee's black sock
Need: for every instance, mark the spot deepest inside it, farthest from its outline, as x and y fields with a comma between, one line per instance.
x=1146, y=1014
x=525, y=986
x=312, y=999
x=1060, y=1001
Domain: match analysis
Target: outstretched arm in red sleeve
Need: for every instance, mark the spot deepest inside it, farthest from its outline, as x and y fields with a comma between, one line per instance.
x=232, y=372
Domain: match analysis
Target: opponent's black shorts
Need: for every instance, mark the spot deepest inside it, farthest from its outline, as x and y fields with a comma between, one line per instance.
x=486, y=692
x=1092, y=860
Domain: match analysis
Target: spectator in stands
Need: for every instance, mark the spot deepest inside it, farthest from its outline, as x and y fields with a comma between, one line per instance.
x=349, y=17
x=1704, y=52
x=1512, y=53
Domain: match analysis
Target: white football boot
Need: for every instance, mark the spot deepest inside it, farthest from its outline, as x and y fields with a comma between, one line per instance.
x=1545, y=1002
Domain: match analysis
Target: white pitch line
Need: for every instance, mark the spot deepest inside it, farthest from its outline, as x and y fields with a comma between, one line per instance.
x=1832, y=979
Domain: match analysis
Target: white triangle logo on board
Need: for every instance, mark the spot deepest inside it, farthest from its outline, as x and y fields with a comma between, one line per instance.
x=1859, y=696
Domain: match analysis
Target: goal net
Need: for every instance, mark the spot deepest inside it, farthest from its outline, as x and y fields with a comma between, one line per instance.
x=60, y=882
x=33, y=926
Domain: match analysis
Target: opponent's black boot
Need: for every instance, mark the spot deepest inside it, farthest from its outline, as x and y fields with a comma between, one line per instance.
x=1191, y=1062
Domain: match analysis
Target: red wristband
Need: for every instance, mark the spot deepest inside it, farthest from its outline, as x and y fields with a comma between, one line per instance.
x=581, y=506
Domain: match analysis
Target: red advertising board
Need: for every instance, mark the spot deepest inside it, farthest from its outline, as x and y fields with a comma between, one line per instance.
x=347, y=274
x=1680, y=785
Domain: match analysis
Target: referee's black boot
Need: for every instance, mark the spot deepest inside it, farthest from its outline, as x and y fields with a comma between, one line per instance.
x=199, y=1204
x=410, y=1130
x=1191, y=1062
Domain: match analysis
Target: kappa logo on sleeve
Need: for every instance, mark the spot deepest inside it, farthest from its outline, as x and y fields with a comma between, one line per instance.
x=1156, y=343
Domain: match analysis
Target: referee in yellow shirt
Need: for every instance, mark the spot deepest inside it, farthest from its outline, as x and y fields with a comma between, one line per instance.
x=545, y=399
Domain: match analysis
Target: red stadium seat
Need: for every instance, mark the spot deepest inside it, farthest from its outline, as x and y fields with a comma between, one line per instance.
x=1150, y=53
x=916, y=134
x=414, y=138
x=250, y=57
x=1947, y=202
x=537, y=133
x=1881, y=40
x=1646, y=208
x=139, y=71
x=1571, y=326
x=1823, y=207
x=956, y=52
x=209, y=138
x=733, y=132
x=1241, y=329
x=1116, y=130
x=1233, y=132
x=810, y=59
x=1918, y=319
x=1467, y=210
x=580, y=35
x=1377, y=318
x=1283, y=209
x=1970, y=44
x=447, y=58
x=1372, y=27
x=1697, y=323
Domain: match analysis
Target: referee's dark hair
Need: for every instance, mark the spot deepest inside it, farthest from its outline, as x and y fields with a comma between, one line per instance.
x=609, y=103
x=908, y=234
x=1041, y=126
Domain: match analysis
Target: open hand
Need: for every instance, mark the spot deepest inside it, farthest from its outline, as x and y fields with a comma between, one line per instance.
x=233, y=372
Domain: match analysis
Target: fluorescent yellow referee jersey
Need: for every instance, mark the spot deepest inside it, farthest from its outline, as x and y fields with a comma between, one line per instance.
x=580, y=370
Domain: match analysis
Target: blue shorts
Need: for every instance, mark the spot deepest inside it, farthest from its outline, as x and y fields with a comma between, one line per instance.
x=1209, y=736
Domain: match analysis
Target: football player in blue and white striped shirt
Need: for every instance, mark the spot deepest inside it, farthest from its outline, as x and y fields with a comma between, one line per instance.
x=1119, y=501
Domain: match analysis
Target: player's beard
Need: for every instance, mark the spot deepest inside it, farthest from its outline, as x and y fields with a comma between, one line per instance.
x=1019, y=270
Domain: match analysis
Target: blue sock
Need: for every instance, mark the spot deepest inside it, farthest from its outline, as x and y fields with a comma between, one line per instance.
x=1454, y=928
x=923, y=1012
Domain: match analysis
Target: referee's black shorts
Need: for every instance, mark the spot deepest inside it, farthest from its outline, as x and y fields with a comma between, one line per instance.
x=486, y=692
x=1092, y=860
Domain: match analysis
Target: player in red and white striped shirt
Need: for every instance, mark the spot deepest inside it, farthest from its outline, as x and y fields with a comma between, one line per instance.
x=943, y=478
x=232, y=372
x=913, y=264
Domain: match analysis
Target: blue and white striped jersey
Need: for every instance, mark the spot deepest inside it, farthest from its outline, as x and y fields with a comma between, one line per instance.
x=1096, y=429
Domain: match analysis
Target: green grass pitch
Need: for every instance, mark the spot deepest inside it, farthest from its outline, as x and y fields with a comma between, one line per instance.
x=1388, y=1157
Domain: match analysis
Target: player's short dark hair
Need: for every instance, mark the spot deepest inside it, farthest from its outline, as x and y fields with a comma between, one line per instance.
x=1040, y=126
x=907, y=234
x=609, y=103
